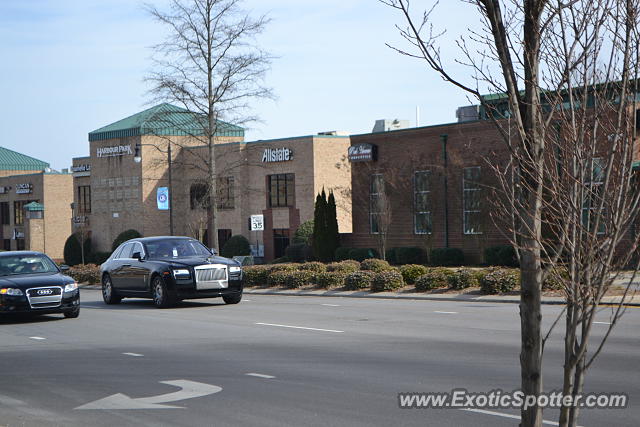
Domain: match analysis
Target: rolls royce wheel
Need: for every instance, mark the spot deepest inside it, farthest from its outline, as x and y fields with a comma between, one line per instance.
x=108, y=293
x=162, y=298
x=232, y=299
x=72, y=314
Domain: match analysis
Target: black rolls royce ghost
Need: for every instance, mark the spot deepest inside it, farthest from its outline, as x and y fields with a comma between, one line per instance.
x=169, y=269
x=30, y=282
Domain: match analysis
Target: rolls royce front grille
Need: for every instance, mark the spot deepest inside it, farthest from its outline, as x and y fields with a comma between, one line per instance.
x=211, y=276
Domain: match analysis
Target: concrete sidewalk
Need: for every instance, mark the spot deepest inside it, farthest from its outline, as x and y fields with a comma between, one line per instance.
x=468, y=297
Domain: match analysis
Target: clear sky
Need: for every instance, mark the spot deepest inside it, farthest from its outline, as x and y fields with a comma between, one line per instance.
x=70, y=67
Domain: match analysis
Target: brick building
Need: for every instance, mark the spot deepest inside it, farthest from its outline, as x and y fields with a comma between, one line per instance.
x=277, y=179
x=35, y=205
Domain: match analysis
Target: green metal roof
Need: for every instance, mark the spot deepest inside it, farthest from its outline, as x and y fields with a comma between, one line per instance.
x=13, y=161
x=163, y=119
x=34, y=206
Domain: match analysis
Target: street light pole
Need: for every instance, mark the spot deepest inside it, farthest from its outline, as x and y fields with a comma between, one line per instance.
x=137, y=157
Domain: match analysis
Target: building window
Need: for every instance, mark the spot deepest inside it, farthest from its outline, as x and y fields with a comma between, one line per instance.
x=6, y=244
x=198, y=196
x=224, y=234
x=225, y=192
x=592, y=199
x=4, y=214
x=84, y=199
x=18, y=211
x=376, y=202
x=471, y=193
x=280, y=241
x=422, y=202
x=281, y=190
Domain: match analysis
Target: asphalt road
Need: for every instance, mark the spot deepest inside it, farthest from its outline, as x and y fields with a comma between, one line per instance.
x=248, y=365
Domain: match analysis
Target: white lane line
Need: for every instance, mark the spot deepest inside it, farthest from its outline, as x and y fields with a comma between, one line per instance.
x=246, y=300
x=601, y=323
x=500, y=414
x=37, y=338
x=331, y=305
x=253, y=374
x=133, y=354
x=299, y=327
x=446, y=312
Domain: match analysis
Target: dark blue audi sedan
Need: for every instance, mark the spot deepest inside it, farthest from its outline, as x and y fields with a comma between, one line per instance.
x=30, y=282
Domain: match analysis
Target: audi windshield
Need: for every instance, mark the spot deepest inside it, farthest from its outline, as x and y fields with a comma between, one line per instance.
x=26, y=264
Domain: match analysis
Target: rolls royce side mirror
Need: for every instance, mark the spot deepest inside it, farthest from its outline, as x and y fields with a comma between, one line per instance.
x=213, y=251
x=64, y=267
x=137, y=255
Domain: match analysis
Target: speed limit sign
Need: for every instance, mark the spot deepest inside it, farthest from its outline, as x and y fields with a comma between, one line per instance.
x=257, y=222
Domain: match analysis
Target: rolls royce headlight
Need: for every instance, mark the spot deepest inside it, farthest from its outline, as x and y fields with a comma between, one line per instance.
x=234, y=269
x=11, y=291
x=181, y=273
x=70, y=287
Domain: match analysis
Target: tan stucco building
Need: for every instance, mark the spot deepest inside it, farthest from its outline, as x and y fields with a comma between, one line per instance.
x=277, y=179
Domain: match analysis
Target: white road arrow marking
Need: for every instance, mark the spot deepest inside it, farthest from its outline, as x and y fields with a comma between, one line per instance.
x=190, y=390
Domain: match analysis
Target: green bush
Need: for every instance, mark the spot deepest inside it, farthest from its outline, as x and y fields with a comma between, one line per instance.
x=387, y=281
x=502, y=255
x=304, y=233
x=283, y=267
x=331, y=279
x=463, y=278
x=410, y=255
x=299, y=252
x=374, y=264
x=123, y=237
x=72, y=253
x=278, y=278
x=360, y=254
x=99, y=257
x=237, y=245
x=313, y=266
x=446, y=257
x=411, y=272
x=359, y=280
x=347, y=266
x=256, y=275
x=342, y=254
x=88, y=273
x=297, y=279
x=435, y=278
x=499, y=281
x=556, y=279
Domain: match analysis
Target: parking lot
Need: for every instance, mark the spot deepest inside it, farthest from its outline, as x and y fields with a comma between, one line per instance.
x=277, y=360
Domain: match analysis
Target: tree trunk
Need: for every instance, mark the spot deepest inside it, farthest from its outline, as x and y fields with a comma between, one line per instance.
x=212, y=206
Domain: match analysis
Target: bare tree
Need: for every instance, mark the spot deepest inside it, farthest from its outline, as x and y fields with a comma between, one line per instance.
x=210, y=64
x=563, y=75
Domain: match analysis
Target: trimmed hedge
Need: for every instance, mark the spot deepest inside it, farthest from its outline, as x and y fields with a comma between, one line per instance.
x=342, y=254
x=124, y=236
x=390, y=256
x=374, y=264
x=387, y=281
x=88, y=273
x=446, y=257
x=256, y=275
x=499, y=281
x=313, y=266
x=283, y=267
x=359, y=280
x=303, y=233
x=347, y=266
x=237, y=245
x=297, y=279
x=278, y=278
x=463, y=278
x=331, y=279
x=410, y=255
x=501, y=255
x=435, y=278
x=72, y=252
x=411, y=272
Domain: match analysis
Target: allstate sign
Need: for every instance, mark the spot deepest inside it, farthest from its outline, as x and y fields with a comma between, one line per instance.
x=277, y=155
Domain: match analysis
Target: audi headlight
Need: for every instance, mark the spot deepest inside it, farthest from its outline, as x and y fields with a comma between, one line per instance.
x=181, y=273
x=70, y=287
x=11, y=291
x=235, y=269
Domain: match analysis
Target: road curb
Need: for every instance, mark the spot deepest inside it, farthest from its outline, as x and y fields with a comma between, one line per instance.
x=486, y=299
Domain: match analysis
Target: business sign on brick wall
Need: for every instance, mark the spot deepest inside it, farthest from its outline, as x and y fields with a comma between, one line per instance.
x=363, y=153
x=271, y=155
x=25, y=188
x=113, y=151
